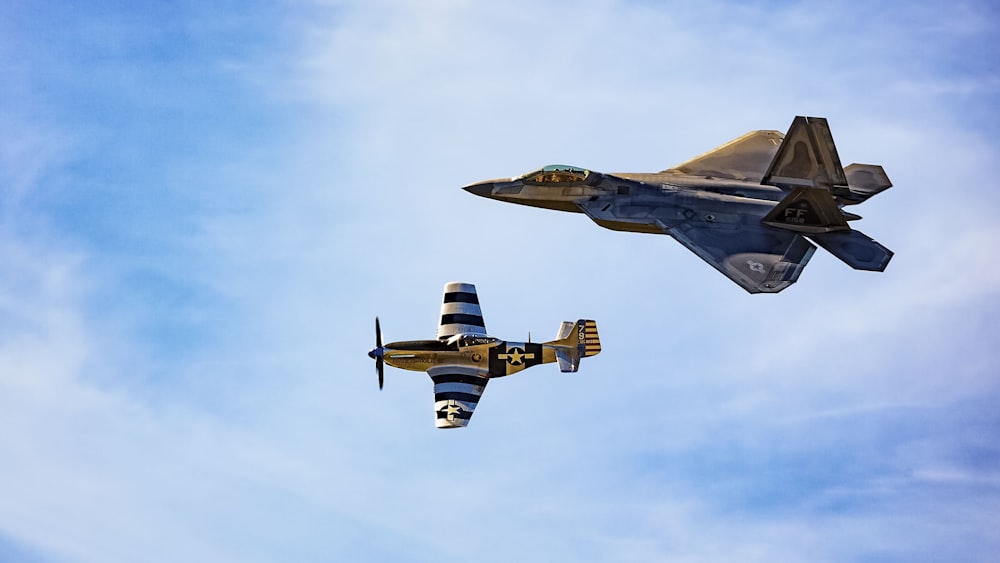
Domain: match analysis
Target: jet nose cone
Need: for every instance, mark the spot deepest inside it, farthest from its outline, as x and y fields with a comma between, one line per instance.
x=484, y=189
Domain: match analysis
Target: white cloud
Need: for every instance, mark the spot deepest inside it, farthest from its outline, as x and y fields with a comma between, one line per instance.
x=199, y=384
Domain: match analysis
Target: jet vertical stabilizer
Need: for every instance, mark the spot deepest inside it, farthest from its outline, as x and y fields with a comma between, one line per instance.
x=807, y=210
x=806, y=157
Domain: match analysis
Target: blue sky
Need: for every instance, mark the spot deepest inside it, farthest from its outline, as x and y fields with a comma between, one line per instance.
x=202, y=208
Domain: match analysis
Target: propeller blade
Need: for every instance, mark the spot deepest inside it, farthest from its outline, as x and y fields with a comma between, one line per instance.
x=378, y=334
x=380, y=367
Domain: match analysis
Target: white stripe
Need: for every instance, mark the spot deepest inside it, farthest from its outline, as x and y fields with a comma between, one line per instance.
x=438, y=405
x=461, y=307
x=459, y=287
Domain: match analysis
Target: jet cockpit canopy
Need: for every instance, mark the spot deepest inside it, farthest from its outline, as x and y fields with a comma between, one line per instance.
x=555, y=174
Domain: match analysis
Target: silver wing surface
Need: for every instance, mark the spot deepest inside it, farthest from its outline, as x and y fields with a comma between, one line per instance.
x=457, y=390
x=760, y=259
x=460, y=312
x=744, y=158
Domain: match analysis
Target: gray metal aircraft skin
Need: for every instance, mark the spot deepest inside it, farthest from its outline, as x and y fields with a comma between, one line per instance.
x=464, y=358
x=749, y=207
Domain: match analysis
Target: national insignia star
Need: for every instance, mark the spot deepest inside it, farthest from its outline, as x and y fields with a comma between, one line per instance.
x=451, y=409
x=516, y=357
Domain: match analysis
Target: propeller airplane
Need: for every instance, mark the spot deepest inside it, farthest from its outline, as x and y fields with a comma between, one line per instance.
x=463, y=358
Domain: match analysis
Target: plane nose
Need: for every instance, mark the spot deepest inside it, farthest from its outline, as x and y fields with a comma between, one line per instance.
x=375, y=353
x=484, y=189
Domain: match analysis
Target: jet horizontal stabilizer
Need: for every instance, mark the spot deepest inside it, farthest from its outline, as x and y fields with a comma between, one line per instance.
x=855, y=249
x=863, y=181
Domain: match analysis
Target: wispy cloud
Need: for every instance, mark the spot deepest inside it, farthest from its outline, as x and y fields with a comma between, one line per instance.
x=202, y=209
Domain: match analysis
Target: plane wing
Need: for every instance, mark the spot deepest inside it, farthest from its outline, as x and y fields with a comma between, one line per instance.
x=457, y=390
x=760, y=259
x=460, y=312
x=744, y=158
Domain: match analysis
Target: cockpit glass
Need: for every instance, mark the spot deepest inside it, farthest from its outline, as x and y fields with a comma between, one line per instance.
x=465, y=340
x=556, y=174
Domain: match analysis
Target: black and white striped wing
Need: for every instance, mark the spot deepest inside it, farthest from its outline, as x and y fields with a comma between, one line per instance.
x=460, y=312
x=457, y=390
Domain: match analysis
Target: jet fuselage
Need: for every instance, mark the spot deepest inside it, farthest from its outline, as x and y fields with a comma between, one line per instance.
x=646, y=203
x=754, y=208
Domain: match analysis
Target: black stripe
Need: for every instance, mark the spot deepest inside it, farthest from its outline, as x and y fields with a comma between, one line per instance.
x=465, y=415
x=423, y=346
x=462, y=319
x=457, y=396
x=460, y=378
x=461, y=297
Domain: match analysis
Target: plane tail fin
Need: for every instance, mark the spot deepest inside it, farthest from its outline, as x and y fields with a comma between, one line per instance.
x=575, y=341
x=806, y=157
x=808, y=210
x=807, y=164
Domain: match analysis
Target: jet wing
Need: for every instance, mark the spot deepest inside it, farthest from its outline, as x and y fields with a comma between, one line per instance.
x=760, y=259
x=457, y=390
x=460, y=312
x=744, y=158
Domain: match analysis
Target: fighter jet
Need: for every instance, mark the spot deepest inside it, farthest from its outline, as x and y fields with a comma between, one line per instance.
x=749, y=207
x=464, y=358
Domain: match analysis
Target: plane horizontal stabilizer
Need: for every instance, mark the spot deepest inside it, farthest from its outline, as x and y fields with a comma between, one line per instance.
x=855, y=249
x=568, y=359
x=863, y=181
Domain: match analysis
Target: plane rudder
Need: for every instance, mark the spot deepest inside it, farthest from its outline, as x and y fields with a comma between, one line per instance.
x=588, y=337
